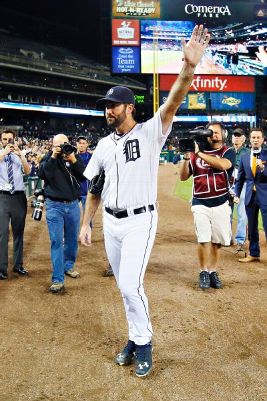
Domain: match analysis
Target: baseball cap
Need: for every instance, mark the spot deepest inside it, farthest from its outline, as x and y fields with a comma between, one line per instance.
x=238, y=132
x=81, y=137
x=117, y=94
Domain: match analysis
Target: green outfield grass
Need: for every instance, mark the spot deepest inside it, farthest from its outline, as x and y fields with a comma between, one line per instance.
x=183, y=190
x=165, y=62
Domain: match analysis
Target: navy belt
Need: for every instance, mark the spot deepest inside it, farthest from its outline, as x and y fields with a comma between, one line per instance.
x=8, y=193
x=123, y=213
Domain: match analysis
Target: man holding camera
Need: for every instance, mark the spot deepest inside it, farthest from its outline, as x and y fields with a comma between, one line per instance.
x=211, y=169
x=62, y=171
x=13, y=202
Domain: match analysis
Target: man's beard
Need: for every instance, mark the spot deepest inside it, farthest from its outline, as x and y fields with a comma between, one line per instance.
x=116, y=121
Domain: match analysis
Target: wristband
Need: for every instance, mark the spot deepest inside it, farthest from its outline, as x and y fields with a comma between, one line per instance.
x=186, y=158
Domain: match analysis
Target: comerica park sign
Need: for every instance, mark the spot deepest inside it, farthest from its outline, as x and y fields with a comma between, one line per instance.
x=207, y=11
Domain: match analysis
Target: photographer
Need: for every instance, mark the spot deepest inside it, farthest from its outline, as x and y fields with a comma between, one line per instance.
x=62, y=170
x=211, y=169
x=13, y=203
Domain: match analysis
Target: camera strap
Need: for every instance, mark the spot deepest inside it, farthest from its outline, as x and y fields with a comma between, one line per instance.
x=72, y=177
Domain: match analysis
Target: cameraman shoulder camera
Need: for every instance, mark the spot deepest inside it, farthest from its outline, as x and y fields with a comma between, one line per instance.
x=214, y=153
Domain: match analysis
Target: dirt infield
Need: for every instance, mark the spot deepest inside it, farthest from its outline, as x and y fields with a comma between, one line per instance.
x=208, y=346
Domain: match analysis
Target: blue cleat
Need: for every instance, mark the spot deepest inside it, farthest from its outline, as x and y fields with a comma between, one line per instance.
x=127, y=355
x=143, y=360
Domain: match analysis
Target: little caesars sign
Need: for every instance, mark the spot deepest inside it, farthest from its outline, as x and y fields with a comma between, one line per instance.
x=207, y=11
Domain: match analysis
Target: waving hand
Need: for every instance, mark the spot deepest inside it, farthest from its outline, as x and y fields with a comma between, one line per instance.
x=195, y=48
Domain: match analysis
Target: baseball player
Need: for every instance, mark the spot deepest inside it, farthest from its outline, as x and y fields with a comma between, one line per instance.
x=129, y=157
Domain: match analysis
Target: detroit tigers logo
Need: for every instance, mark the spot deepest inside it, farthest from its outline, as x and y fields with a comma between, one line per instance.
x=131, y=150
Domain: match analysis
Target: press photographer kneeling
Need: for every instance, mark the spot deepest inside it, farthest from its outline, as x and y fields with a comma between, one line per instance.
x=62, y=170
x=211, y=167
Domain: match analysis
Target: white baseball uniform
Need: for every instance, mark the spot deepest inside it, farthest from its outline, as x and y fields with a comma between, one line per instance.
x=130, y=217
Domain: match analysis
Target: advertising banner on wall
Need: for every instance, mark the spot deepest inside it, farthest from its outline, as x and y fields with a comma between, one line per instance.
x=212, y=83
x=125, y=59
x=212, y=10
x=139, y=8
x=237, y=28
x=233, y=101
x=192, y=101
x=225, y=101
x=125, y=32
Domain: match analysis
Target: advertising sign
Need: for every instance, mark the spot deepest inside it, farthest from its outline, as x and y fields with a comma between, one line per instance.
x=192, y=101
x=210, y=10
x=139, y=8
x=125, y=32
x=237, y=28
x=125, y=59
x=211, y=83
x=233, y=101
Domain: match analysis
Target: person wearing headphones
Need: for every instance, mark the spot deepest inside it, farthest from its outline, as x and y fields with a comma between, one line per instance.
x=211, y=169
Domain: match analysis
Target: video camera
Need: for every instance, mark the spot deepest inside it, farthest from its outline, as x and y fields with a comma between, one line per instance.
x=67, y=148
x=198, y=135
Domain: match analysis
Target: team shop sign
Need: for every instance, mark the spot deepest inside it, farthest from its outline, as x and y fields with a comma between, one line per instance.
x=212, y=83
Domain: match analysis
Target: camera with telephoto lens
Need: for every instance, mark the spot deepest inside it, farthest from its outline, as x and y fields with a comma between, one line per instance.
x=67, y=148
x=39, y=204
x=198, y=135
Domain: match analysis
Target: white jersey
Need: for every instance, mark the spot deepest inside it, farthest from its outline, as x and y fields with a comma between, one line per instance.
x=131, y=164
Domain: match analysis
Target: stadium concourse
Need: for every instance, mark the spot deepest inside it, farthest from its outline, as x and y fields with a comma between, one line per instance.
x=208, y=345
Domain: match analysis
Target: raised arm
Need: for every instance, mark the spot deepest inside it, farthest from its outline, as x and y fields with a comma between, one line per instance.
x=193, y=51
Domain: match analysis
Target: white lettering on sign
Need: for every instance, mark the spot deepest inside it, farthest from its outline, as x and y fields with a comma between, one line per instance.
x=136, y=10
x=207, y=11
x=208, y=83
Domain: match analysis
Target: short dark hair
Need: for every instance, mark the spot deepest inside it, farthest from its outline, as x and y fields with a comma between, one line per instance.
x=223, y=129
x=8, y=131
x=257, y=129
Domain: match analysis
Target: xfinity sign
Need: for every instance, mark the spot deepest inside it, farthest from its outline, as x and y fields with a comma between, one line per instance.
x=207, y=11
x=209, y=83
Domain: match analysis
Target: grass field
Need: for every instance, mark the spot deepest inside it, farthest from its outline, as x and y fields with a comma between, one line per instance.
x=183, y=190
x=165, y=62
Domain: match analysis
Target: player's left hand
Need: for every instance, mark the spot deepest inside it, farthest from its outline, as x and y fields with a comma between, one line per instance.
x=195, y=48
x=85, y=235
